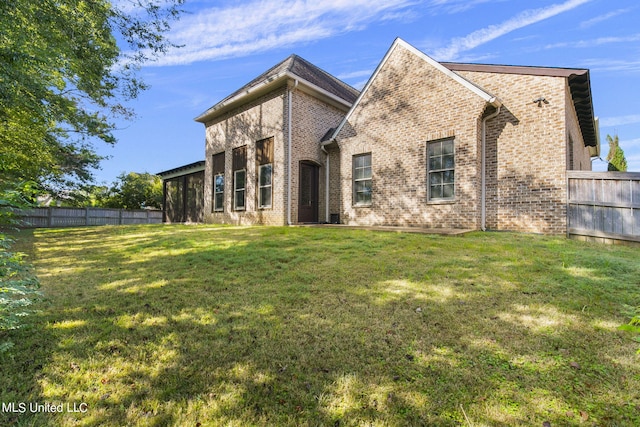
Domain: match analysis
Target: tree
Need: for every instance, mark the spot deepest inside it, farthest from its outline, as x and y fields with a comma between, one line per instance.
x=136, y=191
x=18, y=285
x=616, y=158
x=64, y=80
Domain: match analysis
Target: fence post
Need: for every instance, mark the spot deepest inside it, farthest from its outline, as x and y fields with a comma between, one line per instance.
x=49, y=216
x=120, y=217
x=86, y=215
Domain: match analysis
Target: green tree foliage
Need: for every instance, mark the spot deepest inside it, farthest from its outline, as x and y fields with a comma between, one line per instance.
x=130, y=191
x=136, y=191
x=18, y=285
x=66, y=69
x=617, y=160
x=64, y=79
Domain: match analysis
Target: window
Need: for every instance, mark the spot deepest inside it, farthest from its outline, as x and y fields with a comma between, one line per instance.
x=264, y=161
x=265, y=186
x=218, y=193
x=218, y=182
x=362, y=183
x=239, y=177
x=440, y=170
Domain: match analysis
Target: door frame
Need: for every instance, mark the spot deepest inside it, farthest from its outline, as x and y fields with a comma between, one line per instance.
x=315, y=191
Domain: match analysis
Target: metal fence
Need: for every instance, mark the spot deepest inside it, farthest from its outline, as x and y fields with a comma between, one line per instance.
x=604, y=205
x=76, y=217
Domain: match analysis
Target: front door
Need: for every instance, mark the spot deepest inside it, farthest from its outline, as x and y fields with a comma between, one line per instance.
x=308, y=195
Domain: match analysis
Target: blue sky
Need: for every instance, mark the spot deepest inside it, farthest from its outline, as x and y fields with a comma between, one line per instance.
x=228, y=43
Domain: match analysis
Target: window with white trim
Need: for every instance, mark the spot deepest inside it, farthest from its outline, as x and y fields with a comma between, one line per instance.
x=264, y=161
x=441, y=170
x=239, y=164
x=239, y=178
x=265, y=185
x=362, y=180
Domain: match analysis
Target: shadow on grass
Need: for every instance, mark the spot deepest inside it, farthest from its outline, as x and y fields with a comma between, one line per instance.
x=278, y=326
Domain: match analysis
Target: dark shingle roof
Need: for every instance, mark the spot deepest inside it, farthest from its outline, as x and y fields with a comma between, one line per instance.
x=301, y=68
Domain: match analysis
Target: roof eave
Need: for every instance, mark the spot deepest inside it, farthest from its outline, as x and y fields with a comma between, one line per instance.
x=260, y=89
x=182, y=170
x=267, y=86
x=580, y=88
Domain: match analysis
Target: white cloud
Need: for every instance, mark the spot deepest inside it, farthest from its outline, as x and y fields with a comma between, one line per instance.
x=601, y=18
x=492, y=32
x=216, y=33
x=457, y=6
x=633, y=162
x=595, y=42
x=620, y=120
x=630, y=143
x=617, y=65
x=353, y=74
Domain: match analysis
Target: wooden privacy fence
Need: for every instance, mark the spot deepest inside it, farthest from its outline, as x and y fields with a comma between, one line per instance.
x=604, y=205
x=75, y=217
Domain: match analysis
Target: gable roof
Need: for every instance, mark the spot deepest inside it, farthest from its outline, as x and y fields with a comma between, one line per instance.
x=295, y=68
x=579, y=86
x=472, y=87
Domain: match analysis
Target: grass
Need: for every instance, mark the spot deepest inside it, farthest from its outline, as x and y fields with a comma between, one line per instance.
x=204, y=325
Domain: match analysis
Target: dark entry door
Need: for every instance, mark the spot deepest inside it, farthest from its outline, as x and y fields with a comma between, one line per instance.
x=308, y=195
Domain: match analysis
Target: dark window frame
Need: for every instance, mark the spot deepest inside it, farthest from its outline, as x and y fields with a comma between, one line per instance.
x=217, y=203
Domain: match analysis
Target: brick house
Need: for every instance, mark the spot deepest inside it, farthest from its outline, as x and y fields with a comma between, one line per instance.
x=427, y=144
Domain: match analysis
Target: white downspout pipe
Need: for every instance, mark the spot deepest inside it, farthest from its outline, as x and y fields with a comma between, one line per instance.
x=326, y=184
x=289, y=92
x=483, y=162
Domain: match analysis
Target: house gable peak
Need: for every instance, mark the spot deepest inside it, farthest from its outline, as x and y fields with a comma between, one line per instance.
x=398, y=42
x=295, y=68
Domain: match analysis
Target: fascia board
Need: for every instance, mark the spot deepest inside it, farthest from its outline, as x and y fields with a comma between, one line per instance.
x=166, y=176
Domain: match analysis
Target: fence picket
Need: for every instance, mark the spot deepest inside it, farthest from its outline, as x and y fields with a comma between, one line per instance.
x=604, y=205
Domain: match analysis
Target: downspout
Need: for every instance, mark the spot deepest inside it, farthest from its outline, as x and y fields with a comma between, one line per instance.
x=326, y=184
x=483, y=162
x=295, y=85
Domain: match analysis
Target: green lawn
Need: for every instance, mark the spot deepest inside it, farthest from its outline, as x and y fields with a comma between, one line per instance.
x=203, y=325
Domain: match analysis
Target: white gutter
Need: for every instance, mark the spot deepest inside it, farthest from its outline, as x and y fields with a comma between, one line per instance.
x=326, y=184
x=289, y=92
x=483, y=185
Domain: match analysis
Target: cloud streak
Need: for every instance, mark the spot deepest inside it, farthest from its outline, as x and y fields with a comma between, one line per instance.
x=620, y=120
x=492, y=32
x=218, y=33
x=595, y=42
x=602, y=18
